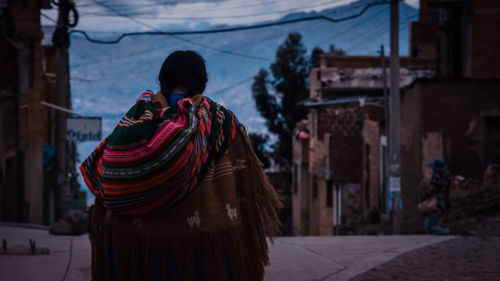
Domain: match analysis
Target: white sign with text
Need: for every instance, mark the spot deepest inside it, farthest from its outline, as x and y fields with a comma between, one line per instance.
x=84, y=129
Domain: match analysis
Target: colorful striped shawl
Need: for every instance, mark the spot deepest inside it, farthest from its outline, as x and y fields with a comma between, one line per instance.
x=156, y=155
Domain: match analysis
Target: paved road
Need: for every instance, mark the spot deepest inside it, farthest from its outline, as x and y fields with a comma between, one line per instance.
x=459, y=259
x=337, y=258
x=292, y=258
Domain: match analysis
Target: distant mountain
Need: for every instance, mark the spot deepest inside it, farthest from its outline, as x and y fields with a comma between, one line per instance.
x=119, y=73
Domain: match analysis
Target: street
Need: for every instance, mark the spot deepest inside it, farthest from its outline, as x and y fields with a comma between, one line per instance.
x=468, y=258
x=292, y=258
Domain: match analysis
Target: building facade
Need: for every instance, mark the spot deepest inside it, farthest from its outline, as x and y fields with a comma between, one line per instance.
x=457, y=120
x=28, y=190
x=339, y=182
x=449, y=108
x=455, y=115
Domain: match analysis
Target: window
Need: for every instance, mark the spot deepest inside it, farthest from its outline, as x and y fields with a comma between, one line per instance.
x=337, y=219
x=315, y=187
x=329, y=194
x=492, y=140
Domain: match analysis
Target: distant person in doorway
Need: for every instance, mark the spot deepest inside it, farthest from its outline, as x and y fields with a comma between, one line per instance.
x=434, y=201
x=180, y=194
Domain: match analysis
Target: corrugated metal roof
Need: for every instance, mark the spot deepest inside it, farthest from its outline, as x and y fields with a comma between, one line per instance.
x=336, y=77
x=342, y=100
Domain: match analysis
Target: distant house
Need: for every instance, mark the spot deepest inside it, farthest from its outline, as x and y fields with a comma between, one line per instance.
x=338, y=169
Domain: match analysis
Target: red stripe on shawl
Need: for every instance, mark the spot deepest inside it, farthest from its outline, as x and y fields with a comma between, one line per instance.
x=88, y=182
x=151, y=206
x=142, y=153
x=166, y=132
x=140, y=185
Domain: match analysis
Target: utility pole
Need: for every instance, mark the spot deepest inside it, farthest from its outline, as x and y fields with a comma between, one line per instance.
x=395, y=123
x=385, y=154
x=60, y=39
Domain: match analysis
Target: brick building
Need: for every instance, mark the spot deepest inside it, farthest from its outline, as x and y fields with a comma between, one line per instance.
x=455, y=115
x=461, y=35
x=338, y=168
x=27, y=187
x=458, y=120
x=449, y=108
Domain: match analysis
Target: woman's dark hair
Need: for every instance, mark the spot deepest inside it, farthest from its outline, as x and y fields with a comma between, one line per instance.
x=183, y=69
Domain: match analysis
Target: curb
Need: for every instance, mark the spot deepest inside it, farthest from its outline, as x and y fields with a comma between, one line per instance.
x=24, y=225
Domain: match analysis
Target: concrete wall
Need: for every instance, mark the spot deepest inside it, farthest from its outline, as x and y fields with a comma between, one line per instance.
x=347, y=157
x=352, y=206
x=411, y=155
x=467, y=45
x=339, y=139
x=456, y=110
x=482, y=39
x=300, y=210
x=371, y=164
x=325, y=212
x=300, y=186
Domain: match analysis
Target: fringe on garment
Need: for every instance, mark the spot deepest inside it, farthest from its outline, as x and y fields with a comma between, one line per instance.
x=126, y=247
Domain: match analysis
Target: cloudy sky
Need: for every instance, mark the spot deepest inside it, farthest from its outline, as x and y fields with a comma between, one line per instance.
x=110, y=15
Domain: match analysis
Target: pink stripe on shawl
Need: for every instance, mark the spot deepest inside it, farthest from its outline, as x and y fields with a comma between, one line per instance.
x=166, y=131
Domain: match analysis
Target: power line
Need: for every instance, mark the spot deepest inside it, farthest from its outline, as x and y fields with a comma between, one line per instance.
x=231, y=86
x=227, y=6
x=171, y=35
x=351, y=7
x=49, y=18
x=336, y=36
x=215, y=17
x=356, y=38
x=337, y=10
x=147, y=51
x=259, y=41
x=381, y=27
x=384, y=29
x=223, y=30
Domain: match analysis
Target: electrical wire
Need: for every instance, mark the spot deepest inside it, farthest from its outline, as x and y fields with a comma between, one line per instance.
x=171, y=35
x=358, y=5
x=223, y=30
x=225, y=88
x=233, y=15
x=137, y=53
x=345, y=31
x=234, y=48
x=297, y=9
x=227, y=6
x=238, y=47
x=49, y=18
x=383, y=26
x=243, y=45
x=383, y=30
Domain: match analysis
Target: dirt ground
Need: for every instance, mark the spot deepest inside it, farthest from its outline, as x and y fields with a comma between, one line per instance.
x=463, y=258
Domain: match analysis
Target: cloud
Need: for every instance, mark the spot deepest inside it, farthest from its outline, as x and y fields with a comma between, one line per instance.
x=171, y=14
x=413, y=3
